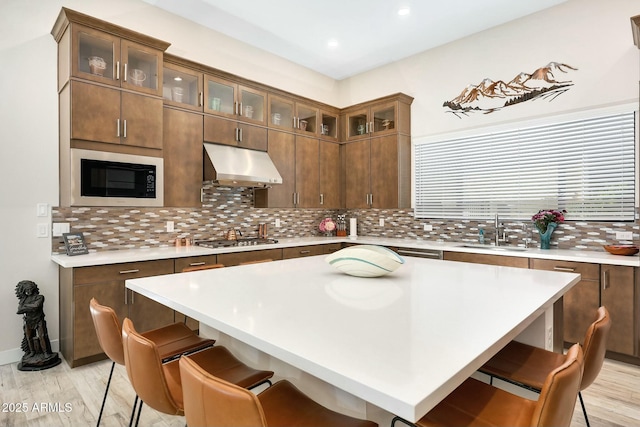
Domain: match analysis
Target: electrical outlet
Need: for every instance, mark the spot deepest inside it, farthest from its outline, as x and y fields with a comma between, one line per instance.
x=381, y=222
x=59, y=228
x=624, y=235
x=277, y=222
x=170, y=226
x=428, y=227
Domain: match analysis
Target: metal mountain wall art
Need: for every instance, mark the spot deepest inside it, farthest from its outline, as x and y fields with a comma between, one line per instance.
x=489, y=96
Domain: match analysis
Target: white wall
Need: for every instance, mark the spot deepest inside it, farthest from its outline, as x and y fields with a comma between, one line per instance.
x=592, y=35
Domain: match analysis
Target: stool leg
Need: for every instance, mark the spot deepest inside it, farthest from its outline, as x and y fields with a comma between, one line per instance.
x=584, y=409
x=139, y=412
x=133, y=411
x=106, y=391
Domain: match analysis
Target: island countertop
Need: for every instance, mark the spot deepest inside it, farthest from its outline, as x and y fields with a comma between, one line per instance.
x=401, y=342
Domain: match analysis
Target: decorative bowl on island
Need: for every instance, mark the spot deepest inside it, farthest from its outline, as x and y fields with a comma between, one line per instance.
x=622, y=249
x=365, y=260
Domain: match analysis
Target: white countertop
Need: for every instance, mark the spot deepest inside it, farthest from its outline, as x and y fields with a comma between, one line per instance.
x=402, y=342
x=132, y=255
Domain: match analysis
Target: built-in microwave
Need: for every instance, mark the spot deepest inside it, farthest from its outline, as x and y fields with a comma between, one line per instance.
x=101, y=178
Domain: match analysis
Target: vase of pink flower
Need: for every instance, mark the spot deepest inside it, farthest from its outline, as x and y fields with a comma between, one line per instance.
x=327, y=226
x=546, y=221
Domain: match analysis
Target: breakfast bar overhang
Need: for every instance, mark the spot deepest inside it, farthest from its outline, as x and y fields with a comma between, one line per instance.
x=401, y=342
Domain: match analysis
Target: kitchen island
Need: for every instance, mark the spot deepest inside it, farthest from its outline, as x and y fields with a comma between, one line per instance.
x=399, y=343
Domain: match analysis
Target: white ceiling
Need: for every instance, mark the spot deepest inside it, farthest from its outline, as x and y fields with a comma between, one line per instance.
x=370, y=33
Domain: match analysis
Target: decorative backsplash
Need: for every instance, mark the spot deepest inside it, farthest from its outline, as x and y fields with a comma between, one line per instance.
x=225, y=208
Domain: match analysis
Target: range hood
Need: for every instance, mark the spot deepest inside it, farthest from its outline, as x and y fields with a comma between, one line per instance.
x=240, y=167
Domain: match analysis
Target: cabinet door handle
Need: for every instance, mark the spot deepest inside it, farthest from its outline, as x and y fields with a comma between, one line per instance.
x=193, y=264
x=236, y=134
x=366, y=128
x=240, y=110
x=605, y=281
x=124, y=125
x=569, y=269
x=240, y=134
x=125, y=72
x=117, y=70
x=129, y=271
x=371, y=198
x=118, y=125
x=201, y=99
x=201, y=195
x=371, y=128
x=321, y=199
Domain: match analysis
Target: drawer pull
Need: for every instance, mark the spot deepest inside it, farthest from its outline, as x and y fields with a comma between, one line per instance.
x=569, y=269
x=193, y=264
x=305, y=252
x=129, y=271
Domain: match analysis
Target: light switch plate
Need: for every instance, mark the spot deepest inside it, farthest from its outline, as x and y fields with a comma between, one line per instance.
x=428, y=227
x=42, y=230
x=42, y=209
x=59, y=228
x=381, y=222
x=170, y=226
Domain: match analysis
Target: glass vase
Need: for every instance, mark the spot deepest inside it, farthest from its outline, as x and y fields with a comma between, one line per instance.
x=545, y=238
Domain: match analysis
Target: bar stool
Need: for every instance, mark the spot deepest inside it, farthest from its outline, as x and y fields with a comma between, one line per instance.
x=159, y=385
x=172, y=340
x=528, y=366
x=213, y=402
x=475, y=403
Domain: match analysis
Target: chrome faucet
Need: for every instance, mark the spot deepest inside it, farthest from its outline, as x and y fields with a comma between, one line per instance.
x=501, y=234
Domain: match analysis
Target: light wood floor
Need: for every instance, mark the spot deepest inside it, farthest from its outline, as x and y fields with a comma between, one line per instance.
x=62, y=396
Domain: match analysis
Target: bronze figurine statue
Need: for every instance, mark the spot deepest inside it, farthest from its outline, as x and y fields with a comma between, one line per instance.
x=35, y=343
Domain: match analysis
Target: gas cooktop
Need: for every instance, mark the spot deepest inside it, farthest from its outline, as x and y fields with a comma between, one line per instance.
x=223, y=243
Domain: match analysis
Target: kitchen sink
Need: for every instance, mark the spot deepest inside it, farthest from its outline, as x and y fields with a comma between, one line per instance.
x=495, y=248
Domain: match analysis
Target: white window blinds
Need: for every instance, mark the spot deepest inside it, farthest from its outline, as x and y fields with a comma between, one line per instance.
x=584, y=166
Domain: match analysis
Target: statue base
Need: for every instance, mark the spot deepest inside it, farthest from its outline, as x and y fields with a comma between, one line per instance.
x=39, y=362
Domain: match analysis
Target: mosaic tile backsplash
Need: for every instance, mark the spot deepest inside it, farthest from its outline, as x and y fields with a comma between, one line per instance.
x=225, y=208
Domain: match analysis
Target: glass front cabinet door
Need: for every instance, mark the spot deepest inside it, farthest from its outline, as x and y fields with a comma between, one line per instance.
x=182, y=87
x=108, y=59
x=252, y=104
x=328, y=126
x=378, y=119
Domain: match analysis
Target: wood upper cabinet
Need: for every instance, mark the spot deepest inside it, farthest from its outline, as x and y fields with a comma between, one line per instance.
x=183, y=157
x=297, y=159
x=103, y=114
x=292, y=115
x=376, y=119
x=114, y=60
x=182, y=87
x=232, y=100
x=378, y=172
x=329, y=175
x=619, y=293
x=329, y=125
x=230, y=132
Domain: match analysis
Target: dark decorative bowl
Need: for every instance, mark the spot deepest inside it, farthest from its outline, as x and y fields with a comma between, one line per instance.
x=621, y=249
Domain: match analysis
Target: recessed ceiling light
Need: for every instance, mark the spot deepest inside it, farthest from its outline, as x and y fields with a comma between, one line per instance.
x=403, y=11
x=178, y=79
x=333, y=43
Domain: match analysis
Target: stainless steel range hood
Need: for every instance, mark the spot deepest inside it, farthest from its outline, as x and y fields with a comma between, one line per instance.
x=239, y=167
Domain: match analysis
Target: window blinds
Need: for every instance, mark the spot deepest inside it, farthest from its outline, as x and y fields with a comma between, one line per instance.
x=584, y=166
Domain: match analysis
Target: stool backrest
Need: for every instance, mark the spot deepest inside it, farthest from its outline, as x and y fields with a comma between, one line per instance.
x=214, y=402
x=149, y=379
x=595, y=347
x=557, y=400
x=108, y=330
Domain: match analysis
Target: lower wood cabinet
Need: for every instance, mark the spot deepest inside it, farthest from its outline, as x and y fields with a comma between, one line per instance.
x=507, y=261
x=619, y=293
x=78, y=341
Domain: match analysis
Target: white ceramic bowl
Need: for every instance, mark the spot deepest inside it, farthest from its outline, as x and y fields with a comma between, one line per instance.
x=365, y=260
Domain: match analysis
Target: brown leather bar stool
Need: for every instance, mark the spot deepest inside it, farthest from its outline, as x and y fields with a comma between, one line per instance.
x=528, y=366
x=159, y=385
x=475, y=403
x=210, y=401
x=172, y=340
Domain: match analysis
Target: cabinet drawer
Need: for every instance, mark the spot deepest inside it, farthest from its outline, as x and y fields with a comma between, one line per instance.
x=302, y=251
x=331, y=248
x=252, y=256
x=506, y=261
x=586, y=270
x=195, y=261
x=129, y=270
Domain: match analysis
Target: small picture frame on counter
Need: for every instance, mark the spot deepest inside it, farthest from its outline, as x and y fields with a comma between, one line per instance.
x=74, y=244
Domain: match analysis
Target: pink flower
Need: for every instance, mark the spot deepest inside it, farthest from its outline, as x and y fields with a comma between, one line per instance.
x=546, y=216
x=327, y=225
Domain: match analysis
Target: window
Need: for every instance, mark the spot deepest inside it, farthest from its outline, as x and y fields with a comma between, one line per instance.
x=585, y=166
